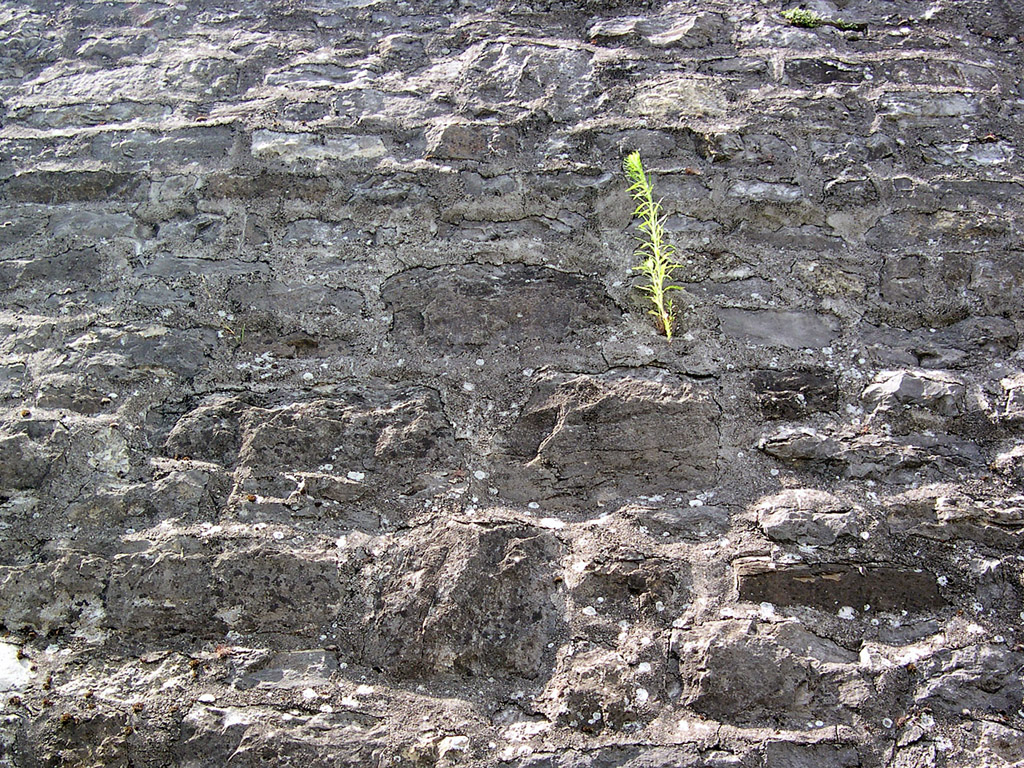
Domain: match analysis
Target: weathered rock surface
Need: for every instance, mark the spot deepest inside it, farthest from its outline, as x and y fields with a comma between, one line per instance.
x=653, y=434
x=806, y=516
x=334, y=430
x=793, y=394
x=926, y=389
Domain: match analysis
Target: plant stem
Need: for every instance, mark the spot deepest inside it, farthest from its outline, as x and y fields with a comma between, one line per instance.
x=656, y=253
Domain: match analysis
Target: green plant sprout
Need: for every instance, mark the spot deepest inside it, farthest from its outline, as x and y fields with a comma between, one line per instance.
x=656, y=253
x=799, y=17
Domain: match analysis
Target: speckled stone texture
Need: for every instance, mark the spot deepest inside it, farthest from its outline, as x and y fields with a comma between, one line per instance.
x=334, y=430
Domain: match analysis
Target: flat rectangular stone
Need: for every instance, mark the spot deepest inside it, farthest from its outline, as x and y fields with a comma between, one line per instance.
x=292, y=147
x=63, y=186
x=766, y=192
x=796, y=330
x=833, y=586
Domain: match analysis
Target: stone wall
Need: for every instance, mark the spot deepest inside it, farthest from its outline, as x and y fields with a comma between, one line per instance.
x=334, y=429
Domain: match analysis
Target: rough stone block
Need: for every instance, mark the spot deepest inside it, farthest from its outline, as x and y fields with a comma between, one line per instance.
x=590, y=439
x=680, y=96
x=792, y=394
x=764, y=191
x=387, y=440
x=434, y=611
x=460, y=309
x=56, y=187
x=466, y=141
x=983, y=678
x=805, y=516
x=24, y=462
x=935, y=390
x=736, y=671
x=782, y=754
x=1013, y=388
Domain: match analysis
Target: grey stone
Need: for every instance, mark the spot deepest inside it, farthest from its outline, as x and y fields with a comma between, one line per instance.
x=832, y=587
x=935, y=390
x=688, y=32
x=781, y=754
x=447, y=619
x=613, y=29
x=796, y=330
x=824, y=71
x=284, y=308
x=91, y=227
x=210, y=432
x=766, y=192
x=466, y=308
x=699, y=522
x=790, y=394
x=680, y=96
x=316, y=232
x=593, y=693
x=939, y=512
x=390, y=438
x=294, y=669
x=983, y=678
x=911, y=108
x=264, y=589
x=800, y=444
x=55, y=595
x=293, y=148
x=1011, y=463
x=805, y=516
x=155, y=348
x=733, y=671
x=1003, y=743
x=14, y=672
x=1013, y=387
x=461, y=141
x=590, y=439
x=674, y=31
x=248, y=736
x=24, y=462
x=915, y=456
